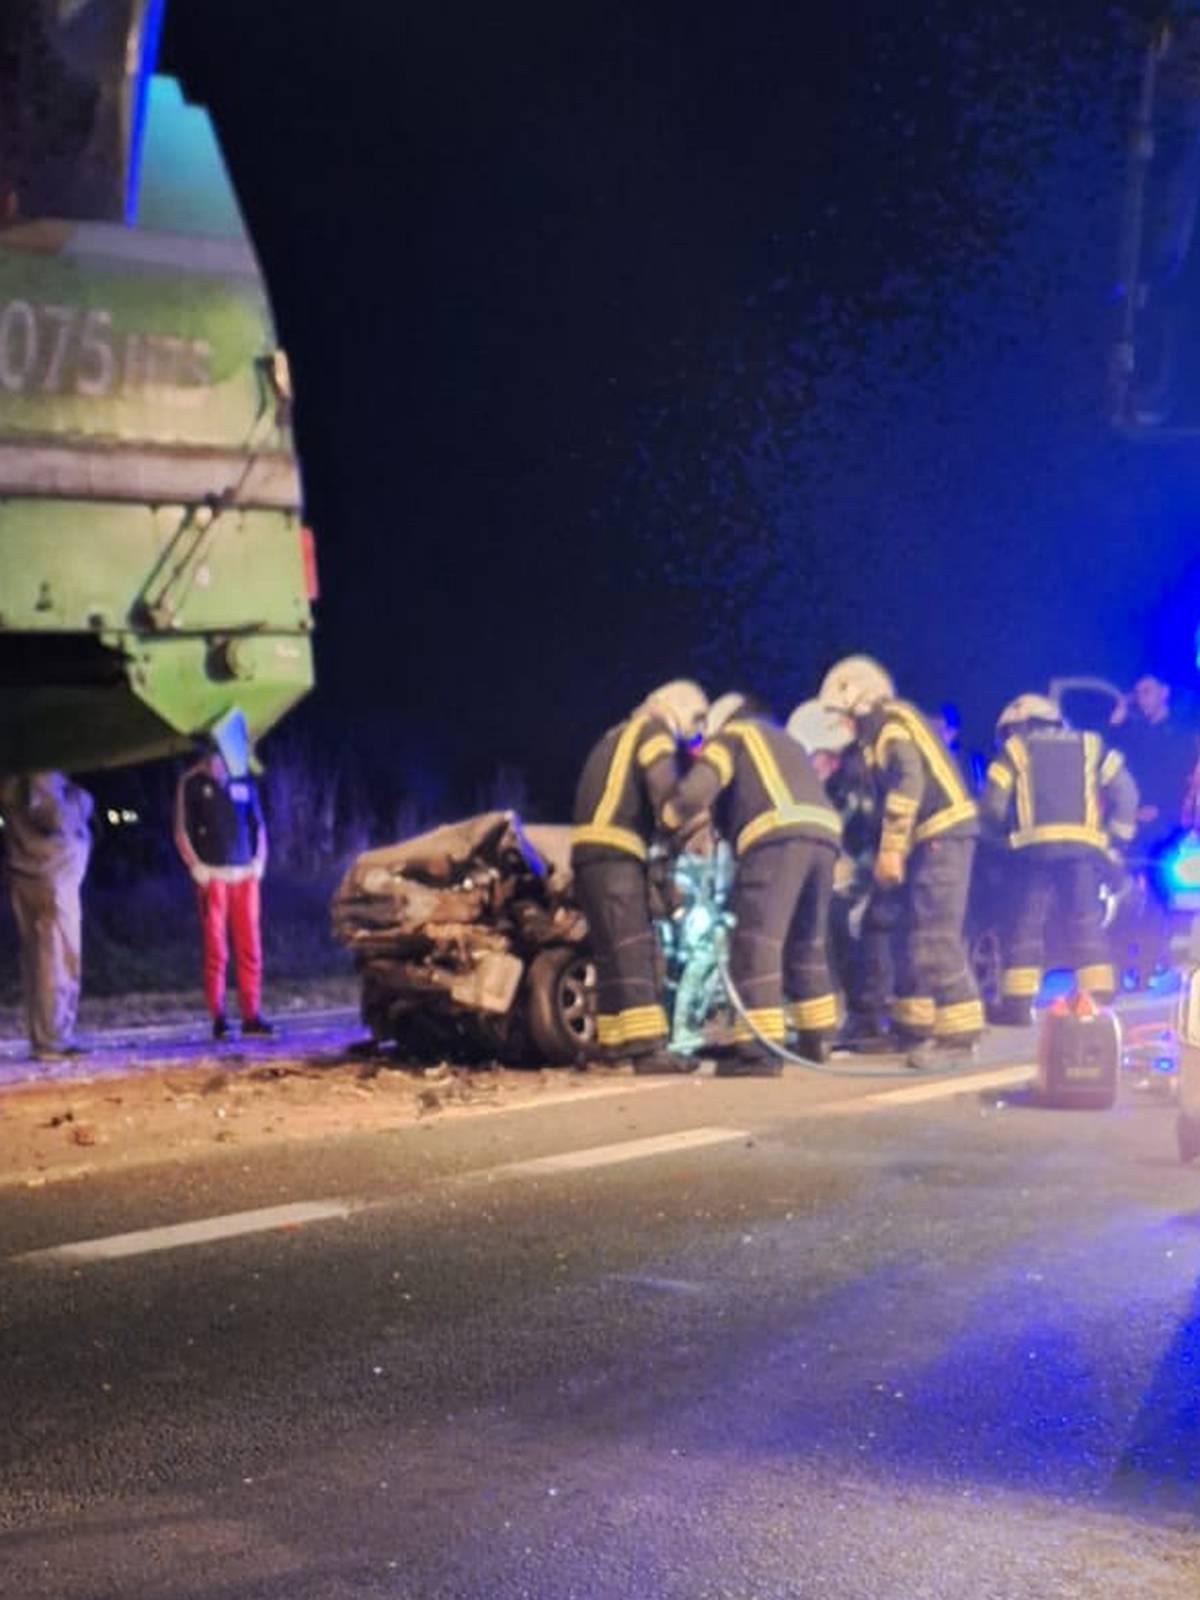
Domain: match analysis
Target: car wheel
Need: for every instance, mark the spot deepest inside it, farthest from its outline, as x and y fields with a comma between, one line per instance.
x=561, y=1004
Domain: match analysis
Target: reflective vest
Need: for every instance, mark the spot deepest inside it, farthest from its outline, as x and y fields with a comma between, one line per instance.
x=1058, y=786
x=615, y=801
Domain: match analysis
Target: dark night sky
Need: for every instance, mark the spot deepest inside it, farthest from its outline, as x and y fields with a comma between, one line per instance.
x=638, y=339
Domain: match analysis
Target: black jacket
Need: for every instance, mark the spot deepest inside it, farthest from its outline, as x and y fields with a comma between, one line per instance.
x=761, y=786
x=624, y=782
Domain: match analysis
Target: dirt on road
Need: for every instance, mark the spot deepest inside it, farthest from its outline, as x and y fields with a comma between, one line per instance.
x=51, y=1132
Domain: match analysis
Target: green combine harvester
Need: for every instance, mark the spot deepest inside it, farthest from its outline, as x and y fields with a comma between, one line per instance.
x=156, y=576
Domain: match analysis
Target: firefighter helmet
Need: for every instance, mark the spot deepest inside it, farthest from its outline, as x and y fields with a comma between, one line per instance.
x=1028, y=708
x=723, y=709
x=819, y=727
x=855, y=686
x=683, y=706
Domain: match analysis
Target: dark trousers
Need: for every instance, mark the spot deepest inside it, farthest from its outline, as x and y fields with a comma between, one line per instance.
x=630, y=1017
x=936, y=992
x=865, y=962
x=780, y=903
x=1060, y=893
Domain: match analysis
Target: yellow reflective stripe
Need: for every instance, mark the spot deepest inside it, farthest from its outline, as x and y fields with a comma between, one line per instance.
x=769, y=1021
x=821, y=1012
x=915, y=1011
x=636, y=1031
x=935, y=754
x=608, y=1031
x=623, y=839
x=940, y=821
x=890, y=733
x=1110, y=766
x=895, y=841
x=790, y=816
x=1091, y=787
x=1101, y=976
x=1059, y=833
x=657, y=746
x=764, y=762
x=1019, y=756
x=965, y=1017
x=719, y=759
x=641, y=1013
x=1021, y=982
x=635, y=1023
x=1001, y=774
x=899, y=805
x=670, y=815
x=618, y=771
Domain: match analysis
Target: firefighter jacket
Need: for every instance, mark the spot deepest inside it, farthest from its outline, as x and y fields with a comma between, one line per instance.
x=1056, y=787
x=219, y=827
x=762, y=786
x=922, y=792
x=624, y=782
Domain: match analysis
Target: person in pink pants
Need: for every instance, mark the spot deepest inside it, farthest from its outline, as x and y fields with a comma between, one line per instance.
x=222, y=837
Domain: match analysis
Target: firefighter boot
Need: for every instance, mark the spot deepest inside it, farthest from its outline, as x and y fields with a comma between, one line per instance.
x=866, y=1035
x=1011, y=1011
x=748, y=1061
x=662, y=1061
x=812, y=1046
x=943, y=1055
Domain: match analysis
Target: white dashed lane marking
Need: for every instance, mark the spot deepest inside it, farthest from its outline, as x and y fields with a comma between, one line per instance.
x=943, y=1089
x=610, y=1155
x=242, y=1223
x=236, y=1225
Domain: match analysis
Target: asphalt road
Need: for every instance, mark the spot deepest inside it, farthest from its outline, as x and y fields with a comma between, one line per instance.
x=838, y=1340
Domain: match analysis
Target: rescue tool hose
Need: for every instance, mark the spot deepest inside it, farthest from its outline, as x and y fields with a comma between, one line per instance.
x=784, y=1054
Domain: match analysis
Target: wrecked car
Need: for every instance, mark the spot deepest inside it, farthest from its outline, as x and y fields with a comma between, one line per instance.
x=469, y=943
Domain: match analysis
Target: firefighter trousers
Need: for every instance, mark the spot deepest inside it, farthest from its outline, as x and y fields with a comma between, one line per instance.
x=630, y=1016
x=936, y=992
x=1062, y=892
x=780, y=902
x=864, y=960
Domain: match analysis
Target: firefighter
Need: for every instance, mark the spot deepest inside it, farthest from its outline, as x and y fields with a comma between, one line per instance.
x=769, y=803
x=863, y=918
x=1059, y=799
x=625, y=782
x=928, y=827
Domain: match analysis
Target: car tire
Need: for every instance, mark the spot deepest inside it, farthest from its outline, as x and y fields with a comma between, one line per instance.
x=560, y=1004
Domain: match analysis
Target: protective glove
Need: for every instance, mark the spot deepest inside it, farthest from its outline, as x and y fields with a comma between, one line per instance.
x=844, y=869
x=889, y=869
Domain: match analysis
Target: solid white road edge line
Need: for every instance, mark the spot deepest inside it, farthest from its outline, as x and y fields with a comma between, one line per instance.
x=234, y=1225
